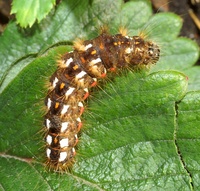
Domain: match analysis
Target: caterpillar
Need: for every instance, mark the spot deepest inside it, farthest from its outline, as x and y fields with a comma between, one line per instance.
x=77, y=72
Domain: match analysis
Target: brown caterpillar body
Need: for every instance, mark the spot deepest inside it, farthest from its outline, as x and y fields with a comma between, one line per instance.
x=77, y=72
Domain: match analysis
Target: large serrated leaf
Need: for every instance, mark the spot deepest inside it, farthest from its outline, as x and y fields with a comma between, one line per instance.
x=128, y=137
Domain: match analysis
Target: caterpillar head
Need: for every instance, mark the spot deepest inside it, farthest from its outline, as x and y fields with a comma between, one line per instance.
x=143, y=52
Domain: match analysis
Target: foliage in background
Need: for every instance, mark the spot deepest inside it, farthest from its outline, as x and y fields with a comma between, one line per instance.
x=140, y=133
x=27, y=12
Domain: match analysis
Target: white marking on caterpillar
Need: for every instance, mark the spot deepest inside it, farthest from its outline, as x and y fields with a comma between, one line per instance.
x=94, y=79
x=48, y=123
x=64, y=110
x=68, y=62
x=93, y=62
x=64, y=143
x=48, y=152
x=49, y=103
x=73, y=150
x=128, y=37
x=49, y=139
x=80, y=104
x=81, y=74
x=63, y=156
x=128, y=50
x=64, y=126
x=55, y=82
x=69, y=91
x=88, y=46
x=86, y=89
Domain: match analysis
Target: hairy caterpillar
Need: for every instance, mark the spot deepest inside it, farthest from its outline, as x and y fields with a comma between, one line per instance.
x=77, y=72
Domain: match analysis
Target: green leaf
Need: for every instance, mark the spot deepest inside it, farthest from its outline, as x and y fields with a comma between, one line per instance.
x=131, y=17
x=130, y=139
x=123, y=137
x=163, y=27
x=176, y=53
x=182, y=52
x=27, y=12
x=194, y=78
x=17, y=44
x=188, y=134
